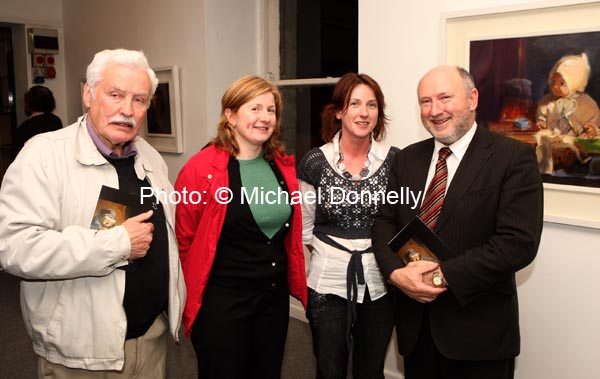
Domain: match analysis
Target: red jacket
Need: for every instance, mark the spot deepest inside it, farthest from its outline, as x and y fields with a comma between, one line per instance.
x=198, y=226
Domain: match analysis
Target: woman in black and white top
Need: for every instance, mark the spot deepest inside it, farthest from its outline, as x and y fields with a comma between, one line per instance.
x=343, y=183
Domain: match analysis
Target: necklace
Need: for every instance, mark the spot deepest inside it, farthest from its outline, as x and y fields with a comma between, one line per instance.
x=363, y=171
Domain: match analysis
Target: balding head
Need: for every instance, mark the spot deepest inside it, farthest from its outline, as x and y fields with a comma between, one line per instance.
x=454, y=72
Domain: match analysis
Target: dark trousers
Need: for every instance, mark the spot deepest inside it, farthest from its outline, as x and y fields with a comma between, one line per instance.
x=426, y=362
x=370, y=335
x=240, y=333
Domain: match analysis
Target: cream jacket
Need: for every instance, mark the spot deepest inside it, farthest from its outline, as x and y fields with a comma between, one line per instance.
x=71, y=293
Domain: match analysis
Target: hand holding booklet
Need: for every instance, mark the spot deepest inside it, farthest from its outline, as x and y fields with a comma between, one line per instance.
x=417, y=242
x=113, y=208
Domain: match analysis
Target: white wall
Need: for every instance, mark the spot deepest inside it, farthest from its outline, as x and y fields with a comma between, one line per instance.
x=23, y=14
x=232, y=49
x=559, y=293
x=559, y=299
x=34, y=11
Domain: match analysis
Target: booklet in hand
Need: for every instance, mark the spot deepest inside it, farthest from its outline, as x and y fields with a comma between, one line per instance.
x=113, y=208
x=417, y=242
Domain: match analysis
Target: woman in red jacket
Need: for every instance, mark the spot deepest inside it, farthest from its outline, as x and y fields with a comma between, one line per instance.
x=239, y=233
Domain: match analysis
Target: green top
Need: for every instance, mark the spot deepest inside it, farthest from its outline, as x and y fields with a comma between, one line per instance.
x=268, y=201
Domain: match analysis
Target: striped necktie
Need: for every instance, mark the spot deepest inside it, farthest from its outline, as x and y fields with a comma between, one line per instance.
x=434, y=197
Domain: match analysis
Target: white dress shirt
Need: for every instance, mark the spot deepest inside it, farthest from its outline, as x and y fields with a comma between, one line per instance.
x=458, y=148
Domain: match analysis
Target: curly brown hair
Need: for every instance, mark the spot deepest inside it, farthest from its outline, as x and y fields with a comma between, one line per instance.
x=237, y=94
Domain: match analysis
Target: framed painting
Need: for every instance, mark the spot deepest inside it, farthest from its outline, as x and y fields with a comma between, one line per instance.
x=163, y=128
x=511, y=52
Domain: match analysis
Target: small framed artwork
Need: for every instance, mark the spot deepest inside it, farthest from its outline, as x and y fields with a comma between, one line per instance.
x=163, y=123
x=517, y=55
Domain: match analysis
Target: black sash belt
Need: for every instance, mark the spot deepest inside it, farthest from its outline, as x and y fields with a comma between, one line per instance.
x=355, y=275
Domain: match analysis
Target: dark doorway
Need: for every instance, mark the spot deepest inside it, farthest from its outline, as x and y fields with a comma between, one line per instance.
x=318, y=41
x=8, y=114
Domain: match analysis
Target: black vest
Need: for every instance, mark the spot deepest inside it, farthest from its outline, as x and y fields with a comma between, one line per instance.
x=246, y=257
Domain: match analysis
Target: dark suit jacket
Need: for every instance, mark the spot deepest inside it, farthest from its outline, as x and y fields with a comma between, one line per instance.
x=492, y=221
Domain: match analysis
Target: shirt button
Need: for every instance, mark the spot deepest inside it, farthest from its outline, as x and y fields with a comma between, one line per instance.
x=287, y=224
x=268, y=242
x=210, y=176
x=282, y=182
x=273, y=264
x=122, y=257
x=273, y=285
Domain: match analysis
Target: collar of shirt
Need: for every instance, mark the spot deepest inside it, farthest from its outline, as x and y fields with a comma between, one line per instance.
x=458, y=148
x=129, y=149
x=376, y=154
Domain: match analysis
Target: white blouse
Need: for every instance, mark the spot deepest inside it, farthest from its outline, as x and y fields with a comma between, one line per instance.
x=328, y=266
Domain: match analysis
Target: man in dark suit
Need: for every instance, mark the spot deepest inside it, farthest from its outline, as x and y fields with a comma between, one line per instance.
x=467, y=326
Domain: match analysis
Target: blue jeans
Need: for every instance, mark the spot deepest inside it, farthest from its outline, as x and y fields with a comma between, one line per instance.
x=371, y=334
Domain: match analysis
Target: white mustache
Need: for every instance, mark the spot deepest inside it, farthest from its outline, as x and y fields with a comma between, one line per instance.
x=124, y=120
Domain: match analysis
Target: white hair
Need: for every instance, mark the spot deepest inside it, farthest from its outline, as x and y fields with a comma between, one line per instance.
x=131, y=58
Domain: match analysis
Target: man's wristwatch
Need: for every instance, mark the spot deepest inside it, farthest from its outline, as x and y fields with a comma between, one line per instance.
x=437, y=278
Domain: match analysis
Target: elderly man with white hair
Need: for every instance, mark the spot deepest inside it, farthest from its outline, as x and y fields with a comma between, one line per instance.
x=96, y=303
